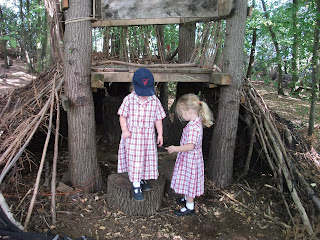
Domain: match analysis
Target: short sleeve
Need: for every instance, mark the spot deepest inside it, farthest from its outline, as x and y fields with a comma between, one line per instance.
x=193, y=134
x=124, y=108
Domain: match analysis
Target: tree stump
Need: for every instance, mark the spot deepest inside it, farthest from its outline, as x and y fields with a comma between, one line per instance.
x=119, y=195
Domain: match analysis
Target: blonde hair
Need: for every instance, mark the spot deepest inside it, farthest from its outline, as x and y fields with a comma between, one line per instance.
x=192, y=101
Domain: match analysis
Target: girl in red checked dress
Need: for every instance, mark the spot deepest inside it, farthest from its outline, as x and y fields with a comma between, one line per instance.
x=188, y=173
x=140, y=113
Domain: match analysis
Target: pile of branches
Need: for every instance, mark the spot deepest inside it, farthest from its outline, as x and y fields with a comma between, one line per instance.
x=288, y=162
x=24, y=111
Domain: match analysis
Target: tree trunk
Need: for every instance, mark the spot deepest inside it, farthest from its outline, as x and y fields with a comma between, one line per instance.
x=24, y=38
x=295, y=46
x=48, y=51
x=276, y=46
x=39, y=45
x=160, y=42
x=185, y=49
x=220, y=162
x=106, y=37
x=315, y=64
x=186, y=41
x=4, y=42
x=83, y=165
x=253, y=49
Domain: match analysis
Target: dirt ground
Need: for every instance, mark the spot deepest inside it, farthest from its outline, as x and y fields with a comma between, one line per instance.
x=236, y=212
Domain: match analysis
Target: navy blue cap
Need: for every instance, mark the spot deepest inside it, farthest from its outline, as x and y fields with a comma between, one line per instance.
x=143, y=82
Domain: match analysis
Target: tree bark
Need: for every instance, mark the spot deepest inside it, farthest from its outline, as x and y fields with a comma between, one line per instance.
x=295, y=46
x=160, y=42
x=83, y=165
x=220, y=162
x=39, y=45
x=4, y=42
x=119, y=195
x=253, y=49
x=24, y=38
x=186, y=41
x=315, y=64
x=276, y=46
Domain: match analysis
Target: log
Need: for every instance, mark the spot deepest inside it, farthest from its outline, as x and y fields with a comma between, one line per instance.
x=119, y=195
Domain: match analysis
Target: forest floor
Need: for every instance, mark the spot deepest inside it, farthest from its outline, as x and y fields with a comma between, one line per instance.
x=236, y=212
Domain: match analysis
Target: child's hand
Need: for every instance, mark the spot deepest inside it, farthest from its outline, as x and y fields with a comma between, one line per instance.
x=126, y=134
x=170, y=149
x=160, y=140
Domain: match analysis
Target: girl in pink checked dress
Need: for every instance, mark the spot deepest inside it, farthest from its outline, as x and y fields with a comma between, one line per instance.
x=140, y=113
x=188, y=173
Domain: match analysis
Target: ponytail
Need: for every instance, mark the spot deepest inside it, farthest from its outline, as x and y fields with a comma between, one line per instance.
x=206, y=114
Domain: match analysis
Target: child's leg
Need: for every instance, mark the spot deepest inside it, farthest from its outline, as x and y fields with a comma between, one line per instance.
x=188, y=209
x=137, y=191
x=182, y=200
x=136, y=184
x=190, y=203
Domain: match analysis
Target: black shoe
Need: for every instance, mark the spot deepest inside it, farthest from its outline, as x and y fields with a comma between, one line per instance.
x=181, y=201
x=178, y=212
x=137, y=194
x=144, y=185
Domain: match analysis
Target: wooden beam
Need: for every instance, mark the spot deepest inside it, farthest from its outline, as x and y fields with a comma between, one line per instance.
x=97, y=80
x=213, y=79
x=220, y=78
x=147, y=21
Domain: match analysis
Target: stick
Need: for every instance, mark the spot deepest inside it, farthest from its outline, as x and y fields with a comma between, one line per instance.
x=7, y=105
x=144, y=65
x=5, y=171
x=281, y=224
x=44, y=153
x=54, y=164
x=246, y=168
x=310, y=191
x=290, y=184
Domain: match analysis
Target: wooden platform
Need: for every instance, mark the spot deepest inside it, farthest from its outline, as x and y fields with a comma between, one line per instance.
x=120, y=73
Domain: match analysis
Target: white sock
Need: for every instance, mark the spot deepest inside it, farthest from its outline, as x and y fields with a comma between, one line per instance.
x=190, y=206
x=183, y=209
x=136, y=184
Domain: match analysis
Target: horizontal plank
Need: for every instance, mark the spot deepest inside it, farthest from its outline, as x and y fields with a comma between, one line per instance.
x=147, y=21
x=153, y=70
x=220, y=78
x=98, y=78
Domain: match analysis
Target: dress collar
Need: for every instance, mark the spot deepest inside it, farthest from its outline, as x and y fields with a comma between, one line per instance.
x=195, y=121
x=136, y=97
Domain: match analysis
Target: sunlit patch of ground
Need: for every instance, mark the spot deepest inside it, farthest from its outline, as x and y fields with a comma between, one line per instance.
x=14, y=77
x=294, y=109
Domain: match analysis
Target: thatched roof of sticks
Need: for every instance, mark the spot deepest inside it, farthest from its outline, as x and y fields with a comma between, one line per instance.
x=27, y=109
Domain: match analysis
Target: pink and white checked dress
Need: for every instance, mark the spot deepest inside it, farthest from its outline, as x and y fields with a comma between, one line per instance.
x=138, y=154
x=188, y=173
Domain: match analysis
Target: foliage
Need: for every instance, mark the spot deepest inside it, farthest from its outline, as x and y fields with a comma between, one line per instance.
x=8, y=25
x=280, y=13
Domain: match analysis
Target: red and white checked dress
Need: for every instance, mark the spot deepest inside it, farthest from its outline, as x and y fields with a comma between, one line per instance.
x=138, y=154
x=188, y=173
